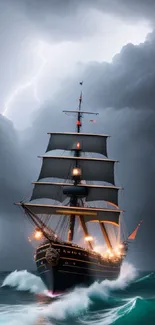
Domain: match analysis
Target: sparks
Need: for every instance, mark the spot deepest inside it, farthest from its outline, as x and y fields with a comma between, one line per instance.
x=31, y=83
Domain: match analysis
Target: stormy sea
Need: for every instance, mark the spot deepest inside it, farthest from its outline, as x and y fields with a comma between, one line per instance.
x=128, y=300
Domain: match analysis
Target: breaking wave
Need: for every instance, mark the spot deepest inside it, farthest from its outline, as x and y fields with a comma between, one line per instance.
x=24, y=281
x=81, y=303
x=109, y=302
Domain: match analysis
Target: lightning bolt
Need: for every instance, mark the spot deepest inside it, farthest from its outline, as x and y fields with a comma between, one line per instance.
x=31, y=83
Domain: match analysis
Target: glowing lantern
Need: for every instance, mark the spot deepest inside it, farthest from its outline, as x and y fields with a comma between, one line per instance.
x=78, y=145
x=38, y=234
x=88, y=238
x=76, y=172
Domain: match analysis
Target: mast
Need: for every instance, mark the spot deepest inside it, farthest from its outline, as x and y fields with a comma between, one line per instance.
x=105, y=235
x=74, y=199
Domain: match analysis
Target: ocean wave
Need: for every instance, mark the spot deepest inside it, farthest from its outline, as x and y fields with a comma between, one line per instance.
x=102, y=290
x=111, y=316
x=76, y=304
x=148, y=276
x=18, y=315
x=133, y=311
x=24, y=281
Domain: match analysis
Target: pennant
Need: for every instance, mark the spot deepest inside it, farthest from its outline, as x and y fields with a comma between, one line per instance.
x=92, y=121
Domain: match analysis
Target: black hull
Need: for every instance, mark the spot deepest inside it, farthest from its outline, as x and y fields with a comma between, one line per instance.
x=63, y=266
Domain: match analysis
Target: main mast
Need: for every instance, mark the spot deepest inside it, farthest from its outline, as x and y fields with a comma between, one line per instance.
x=76, y=170
x=73, y=200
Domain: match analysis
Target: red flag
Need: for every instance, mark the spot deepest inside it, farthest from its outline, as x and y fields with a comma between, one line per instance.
x=92, y=121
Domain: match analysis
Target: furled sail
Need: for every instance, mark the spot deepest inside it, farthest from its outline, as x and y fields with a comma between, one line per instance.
x=89, y=214
x=88, y=142
x=54, y=191
x=93, y=169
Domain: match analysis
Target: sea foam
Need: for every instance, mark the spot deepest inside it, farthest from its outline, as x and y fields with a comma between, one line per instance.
x=74, y=304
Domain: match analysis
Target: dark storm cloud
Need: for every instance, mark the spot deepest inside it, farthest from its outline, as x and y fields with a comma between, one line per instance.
x=16, y=36
x=14, y=172
x=131, y=10
x=129, y=81
x=15, y=178
x=58, y=20
x=69, y=20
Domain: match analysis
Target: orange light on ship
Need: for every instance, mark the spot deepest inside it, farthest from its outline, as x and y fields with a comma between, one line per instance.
x=76, y=172
x=89, y=238
x=78, y=145
x=117, y=251
x=38, y=234
x=78, y=123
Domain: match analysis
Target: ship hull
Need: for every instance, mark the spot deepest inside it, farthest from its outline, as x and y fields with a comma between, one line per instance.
x=63, y=266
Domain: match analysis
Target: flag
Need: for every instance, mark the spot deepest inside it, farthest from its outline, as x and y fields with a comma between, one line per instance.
x=92, y=121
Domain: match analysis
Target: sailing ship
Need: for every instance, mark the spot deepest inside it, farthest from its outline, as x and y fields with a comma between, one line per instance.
x=76, y=182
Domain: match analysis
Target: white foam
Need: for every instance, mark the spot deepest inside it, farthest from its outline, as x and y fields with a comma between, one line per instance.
x=79, y=300
x=72, y=304
x=18, y=315
x=103, y=289
x=24, y=281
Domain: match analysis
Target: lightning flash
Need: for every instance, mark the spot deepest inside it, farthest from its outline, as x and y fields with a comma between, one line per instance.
x=31, y=83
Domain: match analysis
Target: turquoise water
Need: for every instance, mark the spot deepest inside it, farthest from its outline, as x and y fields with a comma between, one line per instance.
x=128, y=300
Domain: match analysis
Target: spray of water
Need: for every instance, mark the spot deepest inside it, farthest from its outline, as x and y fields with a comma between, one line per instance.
x=79, y=300
x=24, y=281
x=103, y=289
x=75, y=303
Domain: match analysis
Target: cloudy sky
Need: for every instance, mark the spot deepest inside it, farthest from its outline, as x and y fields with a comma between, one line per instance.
x=47, y=47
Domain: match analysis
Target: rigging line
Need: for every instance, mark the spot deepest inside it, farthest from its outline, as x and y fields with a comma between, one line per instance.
x=62, y=224
x=66, y=228
x=57, y=226
x=24, y=213
x=62, y=230
x=63, y=227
